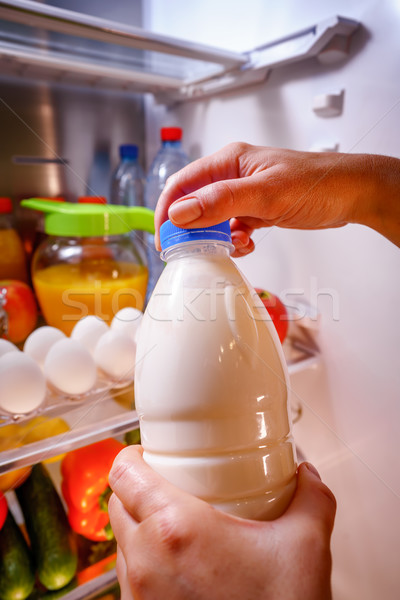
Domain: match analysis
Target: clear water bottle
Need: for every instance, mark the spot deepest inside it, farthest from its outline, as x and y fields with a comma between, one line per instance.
x=211, y=382
x=127, y=183
x=169, y=159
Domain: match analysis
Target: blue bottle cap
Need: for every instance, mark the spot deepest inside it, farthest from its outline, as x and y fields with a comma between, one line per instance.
x=170, y=235
x=128, y=151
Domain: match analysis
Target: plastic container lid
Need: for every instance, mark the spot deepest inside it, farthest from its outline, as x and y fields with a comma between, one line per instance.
x=171, y=134
x=5, y=206
x=92, y=200
x=170, y=235
x=83, y=220
x=128, y=151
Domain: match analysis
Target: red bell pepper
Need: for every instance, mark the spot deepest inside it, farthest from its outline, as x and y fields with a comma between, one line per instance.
x=3, y=509
x=85, y=488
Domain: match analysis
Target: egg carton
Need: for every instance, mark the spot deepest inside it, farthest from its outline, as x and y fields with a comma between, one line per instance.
x=54, y=372
x=56, y=403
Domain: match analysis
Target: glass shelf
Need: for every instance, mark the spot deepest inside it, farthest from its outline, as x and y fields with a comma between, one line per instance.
x=38, y=41
x=108, y=416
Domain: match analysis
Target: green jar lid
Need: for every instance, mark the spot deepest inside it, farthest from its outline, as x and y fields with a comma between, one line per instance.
x=87, y=220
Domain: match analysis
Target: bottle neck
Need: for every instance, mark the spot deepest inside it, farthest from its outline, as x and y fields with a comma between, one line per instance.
x=171, y=144
x=209, y=248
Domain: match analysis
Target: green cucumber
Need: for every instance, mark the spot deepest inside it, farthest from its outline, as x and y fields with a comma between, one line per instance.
x=132, y=437
x=39, y=594
x=17, y=575
x=53, y=543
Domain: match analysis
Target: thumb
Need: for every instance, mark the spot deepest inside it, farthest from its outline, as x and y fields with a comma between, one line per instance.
x=313, y=504
x=218, y=202
x=215, y=202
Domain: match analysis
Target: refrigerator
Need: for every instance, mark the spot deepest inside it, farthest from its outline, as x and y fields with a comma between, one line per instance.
x=299, y=74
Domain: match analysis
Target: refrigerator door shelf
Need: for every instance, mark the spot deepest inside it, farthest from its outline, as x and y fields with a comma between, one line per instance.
x=38, y=41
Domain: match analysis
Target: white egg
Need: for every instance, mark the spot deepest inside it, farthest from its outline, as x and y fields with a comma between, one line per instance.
x=115, y=354
x=6, y=346
x=70, y=367
x=88, y=331
x=39, y=342
x=127, y=320
x=22, y=383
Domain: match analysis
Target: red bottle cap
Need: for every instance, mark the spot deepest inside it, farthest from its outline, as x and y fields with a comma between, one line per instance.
x=92, y=200
x=171, y=134
x=5, y=205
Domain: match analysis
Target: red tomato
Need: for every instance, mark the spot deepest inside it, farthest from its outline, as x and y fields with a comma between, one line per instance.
x=277, y=312
x=20, y=306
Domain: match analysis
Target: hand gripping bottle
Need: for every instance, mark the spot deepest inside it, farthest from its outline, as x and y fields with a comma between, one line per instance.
x=211, y=382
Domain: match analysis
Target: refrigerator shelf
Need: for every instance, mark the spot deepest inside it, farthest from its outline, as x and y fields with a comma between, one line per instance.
x=111, y=414
x=89, y=423
x=38, y=41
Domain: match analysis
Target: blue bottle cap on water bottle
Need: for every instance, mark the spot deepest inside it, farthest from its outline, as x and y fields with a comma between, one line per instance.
x=128, y=151
x=170, y=235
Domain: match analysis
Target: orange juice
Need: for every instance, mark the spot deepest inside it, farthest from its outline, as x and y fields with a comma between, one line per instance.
x=99, y=286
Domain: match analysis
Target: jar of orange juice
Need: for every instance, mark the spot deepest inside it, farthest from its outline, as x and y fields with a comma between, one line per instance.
x=89, y=264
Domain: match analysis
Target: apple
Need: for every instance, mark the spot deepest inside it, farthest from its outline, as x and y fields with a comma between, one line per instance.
x=276, y=310
x=18, y=301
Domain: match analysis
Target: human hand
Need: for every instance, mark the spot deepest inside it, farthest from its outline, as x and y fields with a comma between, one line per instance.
x=172, y=545
x=258, y=186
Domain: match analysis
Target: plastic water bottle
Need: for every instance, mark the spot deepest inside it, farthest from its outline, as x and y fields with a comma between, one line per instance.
x=211, y=382
x=127, y=183
x=127, y=187
x=169, y=159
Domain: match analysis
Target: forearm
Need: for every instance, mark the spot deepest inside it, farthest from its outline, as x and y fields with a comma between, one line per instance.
x=378, y=196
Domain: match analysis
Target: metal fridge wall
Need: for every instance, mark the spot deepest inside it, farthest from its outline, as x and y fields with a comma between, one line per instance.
x=62, y=140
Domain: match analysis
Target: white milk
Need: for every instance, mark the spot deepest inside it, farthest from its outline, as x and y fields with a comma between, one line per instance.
x=211, y=386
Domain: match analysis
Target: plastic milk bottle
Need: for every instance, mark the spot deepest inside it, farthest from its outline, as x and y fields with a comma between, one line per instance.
x=211, y=381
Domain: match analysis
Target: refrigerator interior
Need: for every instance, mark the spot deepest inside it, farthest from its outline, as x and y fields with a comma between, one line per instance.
x=349, y=398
